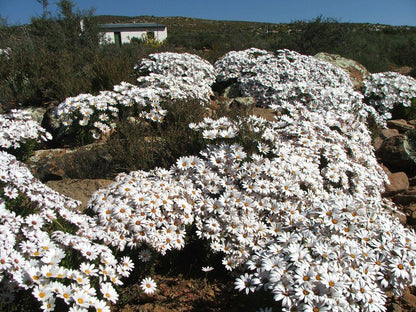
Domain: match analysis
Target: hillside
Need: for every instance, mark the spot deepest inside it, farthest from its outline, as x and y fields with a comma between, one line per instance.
x=51, y=61
x=362, y=42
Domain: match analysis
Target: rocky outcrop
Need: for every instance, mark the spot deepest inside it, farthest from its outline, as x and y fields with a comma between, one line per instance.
x=88, y=161
x=356, y=71
x=398, y=182
x=400, y=125
x=79, y=189
x=398, y=151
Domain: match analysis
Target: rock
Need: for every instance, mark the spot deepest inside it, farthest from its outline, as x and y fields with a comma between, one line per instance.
x=398, y=153
x=385, y=169
x=411, y=207
x=396, y=308
x=404, y=199
x=79, y=189
x=266, y=113
x=409, y=298
x=36, y=113
x=398, y=183
x=411, y=190
x=412, y=181
x=377, y=142
x=399, y=124
x=87, y=162
x=388, y=133
x=232, y=91
x=356, y=71
x=50, y=121
x=151, y=307
x=243, y=102
x=401, y=216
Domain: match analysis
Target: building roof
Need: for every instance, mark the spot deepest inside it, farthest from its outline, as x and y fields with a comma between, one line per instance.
x=132, y=25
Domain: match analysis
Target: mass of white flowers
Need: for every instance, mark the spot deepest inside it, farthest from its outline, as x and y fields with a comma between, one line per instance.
x=36, y=245
x=145, y=209
x=383, y=91
x=178, y=65
x=302, y=216
x=18, y=127
x=168, y=76
x=283, y=76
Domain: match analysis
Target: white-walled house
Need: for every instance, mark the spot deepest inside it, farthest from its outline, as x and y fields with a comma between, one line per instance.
x=124, y=33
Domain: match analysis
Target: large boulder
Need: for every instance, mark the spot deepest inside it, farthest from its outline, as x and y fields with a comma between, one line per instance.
x=87, y=162
x=398, y=182
x=356, y=71
x=398, y=153
x=400, y=124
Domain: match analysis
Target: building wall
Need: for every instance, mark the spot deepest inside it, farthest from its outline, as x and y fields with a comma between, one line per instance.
x=128, y=34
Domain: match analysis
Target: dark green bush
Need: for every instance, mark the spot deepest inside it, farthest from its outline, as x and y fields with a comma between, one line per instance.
x=407, y=113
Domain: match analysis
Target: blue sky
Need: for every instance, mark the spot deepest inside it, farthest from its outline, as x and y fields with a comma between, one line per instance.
x=391, y=12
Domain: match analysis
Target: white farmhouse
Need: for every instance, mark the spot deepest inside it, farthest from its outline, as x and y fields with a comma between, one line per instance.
x=124, y=33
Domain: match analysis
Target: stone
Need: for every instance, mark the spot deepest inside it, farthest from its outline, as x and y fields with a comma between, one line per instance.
x=385, y=169
x=36, y=113
x=412, y=181
x=358, y=73
x=232, y=91
x=404, y=199
x=411, y=207
x=377, y=143
x=86, y=162
x=398, y=182
x=50, y=121
x=401, y=217
x=396, y=307
x=398, y=153
x=409, y=298
x=399, y=124
x=79, y=189
x=388, y=133
x=266, y=113
x=411, y=190
x=243, y=102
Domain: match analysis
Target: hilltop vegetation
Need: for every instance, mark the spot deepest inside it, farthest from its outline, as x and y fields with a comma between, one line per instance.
x=378, y=47
x=52, y=59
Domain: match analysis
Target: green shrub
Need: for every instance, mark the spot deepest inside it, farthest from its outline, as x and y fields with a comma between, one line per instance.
x=402, y=112
x=137, y=144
